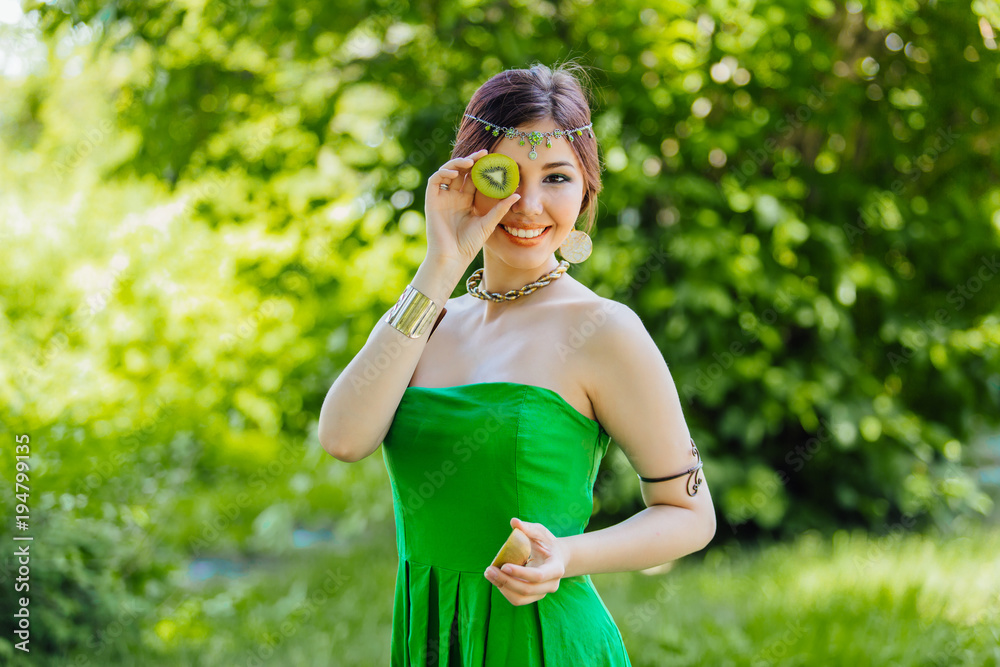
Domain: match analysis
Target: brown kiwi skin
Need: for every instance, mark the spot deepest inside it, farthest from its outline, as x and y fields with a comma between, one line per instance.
x=488, y=166
x=516, y=550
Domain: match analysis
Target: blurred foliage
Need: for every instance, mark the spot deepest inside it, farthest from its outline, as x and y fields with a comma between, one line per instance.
x=85, y=587
x=206, y=206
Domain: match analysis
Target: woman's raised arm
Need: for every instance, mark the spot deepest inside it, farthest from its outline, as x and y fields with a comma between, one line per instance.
x=362, y=402
x=359, y=407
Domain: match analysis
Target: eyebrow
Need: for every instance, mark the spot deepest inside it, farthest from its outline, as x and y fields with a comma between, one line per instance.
x=552, y=165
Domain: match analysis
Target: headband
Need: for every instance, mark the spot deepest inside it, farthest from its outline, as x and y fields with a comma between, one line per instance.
x=534, y=138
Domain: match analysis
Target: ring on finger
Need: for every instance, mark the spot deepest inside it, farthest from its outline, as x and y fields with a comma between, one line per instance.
x=443, y=186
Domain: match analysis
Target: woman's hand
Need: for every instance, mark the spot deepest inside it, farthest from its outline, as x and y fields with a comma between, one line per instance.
x=454, y=232
x=546, y=566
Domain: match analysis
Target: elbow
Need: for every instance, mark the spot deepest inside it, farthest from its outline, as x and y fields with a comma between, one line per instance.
x=711, y=525
x=343, y=446
x=348, y=454
x=338, y=451
x=333, y=445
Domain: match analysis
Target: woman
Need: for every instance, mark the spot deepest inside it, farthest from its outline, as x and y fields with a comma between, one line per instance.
x=501, y=419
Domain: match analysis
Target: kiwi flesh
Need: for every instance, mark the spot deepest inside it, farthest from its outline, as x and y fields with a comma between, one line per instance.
x=495, y=175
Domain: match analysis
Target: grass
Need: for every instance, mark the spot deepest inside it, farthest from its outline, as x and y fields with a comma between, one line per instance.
x=851, y=599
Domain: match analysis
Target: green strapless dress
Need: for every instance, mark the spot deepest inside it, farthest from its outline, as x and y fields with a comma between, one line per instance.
x=462, y=461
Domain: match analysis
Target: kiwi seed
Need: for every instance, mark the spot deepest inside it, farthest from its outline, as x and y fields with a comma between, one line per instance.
x=495, y=175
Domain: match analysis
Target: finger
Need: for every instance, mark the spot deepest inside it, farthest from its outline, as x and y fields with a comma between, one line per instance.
x=535, y=531
x=526, y=526
x=497, y=213
x=459, y=162
x=446, y=176
x=533, y=574
x=510, y=584
x=445, y=173
x=474, y=156
x=466, y=161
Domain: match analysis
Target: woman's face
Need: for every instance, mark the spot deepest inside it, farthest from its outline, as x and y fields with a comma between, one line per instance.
x=551, y=188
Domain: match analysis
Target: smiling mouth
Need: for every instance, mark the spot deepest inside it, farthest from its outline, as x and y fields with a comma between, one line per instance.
x=531, y=236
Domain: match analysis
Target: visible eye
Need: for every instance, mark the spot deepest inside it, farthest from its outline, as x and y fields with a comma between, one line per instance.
x=564, y=179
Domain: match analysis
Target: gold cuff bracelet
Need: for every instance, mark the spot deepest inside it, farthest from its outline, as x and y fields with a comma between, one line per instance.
x=412, y=313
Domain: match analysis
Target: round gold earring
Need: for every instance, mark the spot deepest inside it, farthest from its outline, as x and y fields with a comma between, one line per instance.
x=576, y=247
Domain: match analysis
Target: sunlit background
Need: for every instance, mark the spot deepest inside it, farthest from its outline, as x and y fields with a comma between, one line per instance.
x=205, y=207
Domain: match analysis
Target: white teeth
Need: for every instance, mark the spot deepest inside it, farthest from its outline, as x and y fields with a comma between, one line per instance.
x=522, y=234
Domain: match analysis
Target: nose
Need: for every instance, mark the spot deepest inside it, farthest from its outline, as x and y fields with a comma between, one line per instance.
x=530, y=203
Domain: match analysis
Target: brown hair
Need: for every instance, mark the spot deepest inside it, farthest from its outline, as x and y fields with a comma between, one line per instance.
x=518, y=96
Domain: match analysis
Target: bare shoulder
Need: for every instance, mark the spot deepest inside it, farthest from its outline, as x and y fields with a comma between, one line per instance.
x=619, y=358
x=601, y=332
x=610, y=324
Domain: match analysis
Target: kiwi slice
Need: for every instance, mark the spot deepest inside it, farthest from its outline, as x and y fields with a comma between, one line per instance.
x=495, y=175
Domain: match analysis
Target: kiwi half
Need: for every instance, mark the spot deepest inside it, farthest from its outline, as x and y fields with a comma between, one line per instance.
x=495, y=175
x=516, y=550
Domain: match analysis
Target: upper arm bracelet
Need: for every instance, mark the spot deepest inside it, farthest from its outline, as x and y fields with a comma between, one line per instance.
x=692, y=472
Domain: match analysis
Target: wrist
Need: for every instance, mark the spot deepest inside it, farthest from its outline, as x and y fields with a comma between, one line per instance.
x=446, y=266
x=437, y=280
x=565, y=546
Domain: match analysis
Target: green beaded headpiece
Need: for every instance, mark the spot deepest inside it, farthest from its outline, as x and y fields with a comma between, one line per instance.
x=534, y=138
